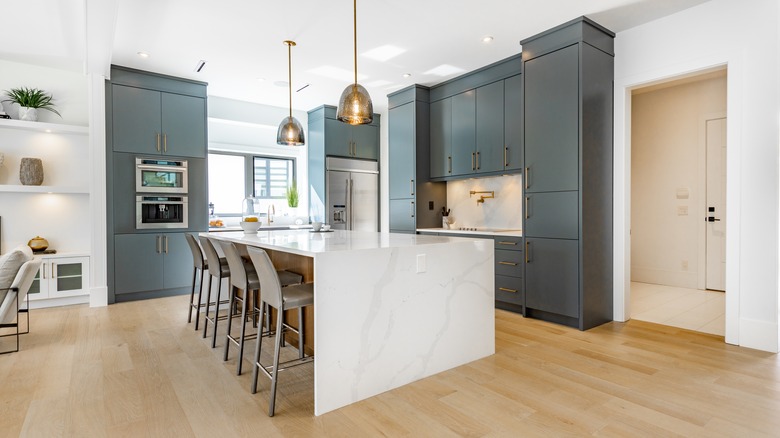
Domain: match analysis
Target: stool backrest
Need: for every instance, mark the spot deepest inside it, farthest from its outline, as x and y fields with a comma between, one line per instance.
x=237, y=271
x=197, y=254
x=269, y=280
x=211, y=256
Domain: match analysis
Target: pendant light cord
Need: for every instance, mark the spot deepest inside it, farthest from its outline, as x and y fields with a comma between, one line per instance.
x=354, y=23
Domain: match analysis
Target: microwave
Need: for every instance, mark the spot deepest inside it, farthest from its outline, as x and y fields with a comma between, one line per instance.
x=160, y=176
x=159, y=212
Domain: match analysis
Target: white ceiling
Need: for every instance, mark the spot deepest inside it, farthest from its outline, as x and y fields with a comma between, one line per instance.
x=241, y=40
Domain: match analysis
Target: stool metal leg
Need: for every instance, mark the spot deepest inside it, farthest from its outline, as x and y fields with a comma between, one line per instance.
x=243, y=333
x=216, y=314
x=200, y=301
x=192, y=298
x=278, y=347
x=231, y=306
x=206, y=317
x=264, y=317
x=300, y=333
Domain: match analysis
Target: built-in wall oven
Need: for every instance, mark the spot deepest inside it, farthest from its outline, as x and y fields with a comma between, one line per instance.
x=153, y=175
x=158, y=211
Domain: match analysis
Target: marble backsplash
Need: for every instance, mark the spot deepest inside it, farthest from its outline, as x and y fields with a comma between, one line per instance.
x=502, y=212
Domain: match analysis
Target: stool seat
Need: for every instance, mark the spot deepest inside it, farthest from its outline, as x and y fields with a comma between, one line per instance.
x=287, y=278
x=299, y=295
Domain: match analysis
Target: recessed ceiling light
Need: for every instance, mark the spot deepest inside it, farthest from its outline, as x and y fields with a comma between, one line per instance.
x=444, y=70
x=487, y=39
x=143, y=54
x=384, y=53
x=407, y=75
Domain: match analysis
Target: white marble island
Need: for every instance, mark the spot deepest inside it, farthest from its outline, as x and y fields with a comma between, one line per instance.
x=389, y=309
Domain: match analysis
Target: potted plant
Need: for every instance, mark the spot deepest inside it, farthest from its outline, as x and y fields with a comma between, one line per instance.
x=292, y=196
x=30, y=100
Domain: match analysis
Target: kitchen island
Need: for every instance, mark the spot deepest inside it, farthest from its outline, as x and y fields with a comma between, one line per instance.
x=389, y=309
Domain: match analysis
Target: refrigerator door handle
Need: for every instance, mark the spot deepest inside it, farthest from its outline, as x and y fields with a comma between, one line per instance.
x=351, y=206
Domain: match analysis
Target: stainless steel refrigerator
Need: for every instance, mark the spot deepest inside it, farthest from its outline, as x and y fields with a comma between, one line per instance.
x=353, y=194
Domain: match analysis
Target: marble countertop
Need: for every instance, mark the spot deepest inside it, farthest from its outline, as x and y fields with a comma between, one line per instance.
x=309, y=243
x=263, y=227
x=478, y=232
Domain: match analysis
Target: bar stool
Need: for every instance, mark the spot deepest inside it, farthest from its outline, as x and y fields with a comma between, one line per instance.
x=199, y=264
x=243, y=276
x=218, y=267
x=291, y=297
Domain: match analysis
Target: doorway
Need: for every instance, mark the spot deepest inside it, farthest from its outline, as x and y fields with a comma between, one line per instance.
x=678, y=223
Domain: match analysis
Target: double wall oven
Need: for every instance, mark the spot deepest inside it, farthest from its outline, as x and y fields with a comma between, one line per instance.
x=161, y=194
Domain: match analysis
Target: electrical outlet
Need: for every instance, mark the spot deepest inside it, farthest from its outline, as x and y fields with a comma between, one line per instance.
x=684, y=265
x=430, y=205
x=420, y=263
x=682, y=210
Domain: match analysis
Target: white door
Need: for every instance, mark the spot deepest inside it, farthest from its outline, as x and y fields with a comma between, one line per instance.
x=716, y=205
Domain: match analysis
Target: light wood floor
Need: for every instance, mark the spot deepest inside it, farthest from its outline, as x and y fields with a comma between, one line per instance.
x=137, y=369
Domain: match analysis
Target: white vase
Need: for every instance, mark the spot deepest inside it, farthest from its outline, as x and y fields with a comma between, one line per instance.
x=29, y=114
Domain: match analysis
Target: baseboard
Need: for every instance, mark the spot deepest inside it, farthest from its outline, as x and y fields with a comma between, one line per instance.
x=687, y=279
x=760, y=335
x=98, y=297
x=57, y=302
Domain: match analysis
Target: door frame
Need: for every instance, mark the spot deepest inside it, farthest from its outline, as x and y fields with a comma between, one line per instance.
x=622, y=178
x=701, y=159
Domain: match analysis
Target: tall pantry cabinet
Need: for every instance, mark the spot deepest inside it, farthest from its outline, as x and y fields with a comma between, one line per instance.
x=568, y=164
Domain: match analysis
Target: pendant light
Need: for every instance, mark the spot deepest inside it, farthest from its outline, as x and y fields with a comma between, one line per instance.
x=355, y=106
x=290, y=130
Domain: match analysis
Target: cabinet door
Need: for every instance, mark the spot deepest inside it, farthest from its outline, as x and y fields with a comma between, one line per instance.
x=552, y=121
x=441, y=138
x=138, y=264
x=177, y=261
x=552, y=214
x=69, y=276
x=402, y=215
x=401, y=154
x=365, y=140
x=38, y=290
x=464, y=133
x=184, y=125
x=513, y=123
x=552, y=276
x=338, y=138
x=490, y=128
x=509, y=290
x=136, y=120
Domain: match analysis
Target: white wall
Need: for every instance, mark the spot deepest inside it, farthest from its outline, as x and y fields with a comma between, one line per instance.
x=238, y=126
x=503, y=212
x=667, y=156
x=746, y=39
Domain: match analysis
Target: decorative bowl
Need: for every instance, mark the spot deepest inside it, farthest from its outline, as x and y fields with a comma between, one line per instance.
x=250, y=227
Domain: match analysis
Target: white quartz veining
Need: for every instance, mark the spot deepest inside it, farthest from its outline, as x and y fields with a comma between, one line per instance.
x=502, y=212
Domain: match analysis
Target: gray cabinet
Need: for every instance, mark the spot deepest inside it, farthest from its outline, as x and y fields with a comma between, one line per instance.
x=414, y=201
x=158, y=123
x=513, y=123
x=344, y=140
x=509, y=271
x=464, y=133
x=567, y=128
x=151, y=262
x=441, y=138
x=490, y=128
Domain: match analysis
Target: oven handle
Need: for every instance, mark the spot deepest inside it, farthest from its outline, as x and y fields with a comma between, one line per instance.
x=163, y=168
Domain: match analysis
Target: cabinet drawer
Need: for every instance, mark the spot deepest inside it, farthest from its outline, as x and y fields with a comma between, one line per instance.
x=510, y=243
x=509, y=263
x=510, y=290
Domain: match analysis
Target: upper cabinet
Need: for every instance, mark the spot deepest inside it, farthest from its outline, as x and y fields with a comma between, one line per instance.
x=476, y=123
x=157, y=115
x=344, y=140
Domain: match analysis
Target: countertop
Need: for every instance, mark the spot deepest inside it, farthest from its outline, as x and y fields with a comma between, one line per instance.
x=263, y=227
x=478, y=232
x=309, y=243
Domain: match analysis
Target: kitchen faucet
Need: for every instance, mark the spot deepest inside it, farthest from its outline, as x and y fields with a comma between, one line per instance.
x=269, y=214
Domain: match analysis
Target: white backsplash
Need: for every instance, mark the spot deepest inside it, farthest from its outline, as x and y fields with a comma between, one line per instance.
x=503, y=212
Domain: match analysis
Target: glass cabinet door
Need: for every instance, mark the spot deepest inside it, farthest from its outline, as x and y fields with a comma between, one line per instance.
x=69, y=276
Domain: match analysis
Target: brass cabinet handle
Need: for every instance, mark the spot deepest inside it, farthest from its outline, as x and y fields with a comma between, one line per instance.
x=527, y=253
x=505, y=242
x=411, y=208
x=477, y=160
x=508, y=290
x=507, y=263
x=525, y=177
x=157, y=136
x=411, y=182
x=158, y=248
x=165, y=143
x=166, y=244
x=450, y=164
x=506, y=154
x=525, y=207
x=472, y=161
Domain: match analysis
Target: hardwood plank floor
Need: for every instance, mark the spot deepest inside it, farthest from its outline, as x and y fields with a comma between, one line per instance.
x=138, y=369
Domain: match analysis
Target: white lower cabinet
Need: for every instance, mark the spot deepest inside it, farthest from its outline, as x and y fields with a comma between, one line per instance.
x=60, y=276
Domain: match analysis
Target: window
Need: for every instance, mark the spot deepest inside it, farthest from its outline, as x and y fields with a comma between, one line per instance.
x=232, y=176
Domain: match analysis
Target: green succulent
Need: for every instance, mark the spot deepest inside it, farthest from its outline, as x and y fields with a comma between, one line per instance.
x=31, y=98
x=292, y=196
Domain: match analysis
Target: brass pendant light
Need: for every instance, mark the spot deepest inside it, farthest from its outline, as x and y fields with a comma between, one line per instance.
x=290, y=130
x=355, y=106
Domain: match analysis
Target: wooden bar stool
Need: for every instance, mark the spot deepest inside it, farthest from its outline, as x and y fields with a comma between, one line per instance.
x=291, y=297
x=244, y=277
x=217, y=267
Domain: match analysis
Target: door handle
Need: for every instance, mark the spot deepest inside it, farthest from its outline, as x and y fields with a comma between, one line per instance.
x=526, y=178
x=711, y=219
x=506, y=154
x=166, y=244
x=411, y=209
x=449, y=158
x=157, y=136
x=472, y=161
x=527, y=251
x=525, y=207
x=514, y=291
x=411, y=187
x=507, y=263
x=477, y=160
x=165, y=142
x=157, y=244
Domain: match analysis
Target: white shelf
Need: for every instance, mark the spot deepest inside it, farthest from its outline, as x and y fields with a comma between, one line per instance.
x=18, y=188
x=55, y=128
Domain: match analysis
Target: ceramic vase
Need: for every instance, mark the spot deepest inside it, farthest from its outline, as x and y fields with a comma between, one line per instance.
x=31, y=171
x=29, y=114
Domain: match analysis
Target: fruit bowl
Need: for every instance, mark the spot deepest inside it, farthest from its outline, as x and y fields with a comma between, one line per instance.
x=250, y=227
